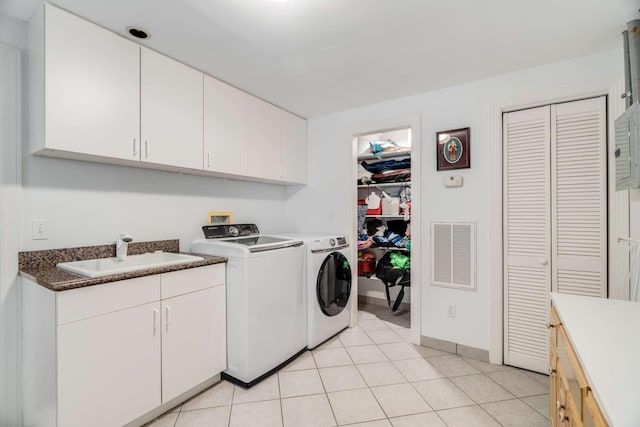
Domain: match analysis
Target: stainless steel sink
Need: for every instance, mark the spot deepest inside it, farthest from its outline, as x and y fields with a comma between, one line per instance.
x=105, y=266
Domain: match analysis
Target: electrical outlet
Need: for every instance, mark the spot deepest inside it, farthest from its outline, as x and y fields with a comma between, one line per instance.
x=39, y=229
x=451, y=310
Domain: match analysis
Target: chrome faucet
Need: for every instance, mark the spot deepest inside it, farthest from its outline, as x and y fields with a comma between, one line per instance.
x=122, y=243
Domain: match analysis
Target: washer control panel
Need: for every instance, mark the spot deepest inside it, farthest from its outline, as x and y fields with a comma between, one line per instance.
x=327, y=243
x=225, y=231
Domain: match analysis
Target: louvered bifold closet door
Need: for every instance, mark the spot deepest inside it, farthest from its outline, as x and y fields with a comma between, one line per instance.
x=579, y=189
x=527, y=237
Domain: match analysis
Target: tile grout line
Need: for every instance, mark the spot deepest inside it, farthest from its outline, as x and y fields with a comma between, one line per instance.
x=386, y=416
x=326, y=393
x=422, y=397
x=523, y=401
x=365, y=381
x=359, y=372
x=233, y=397
x=517, y=397
x=403, y=375
x=277, y=374
x=441, y=419
x=497, y=383
x=491, y=416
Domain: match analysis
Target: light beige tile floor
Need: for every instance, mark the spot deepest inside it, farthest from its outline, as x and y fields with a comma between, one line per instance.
x=372, y=376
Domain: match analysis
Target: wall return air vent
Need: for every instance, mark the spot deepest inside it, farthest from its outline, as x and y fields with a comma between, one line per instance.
x=453, y=254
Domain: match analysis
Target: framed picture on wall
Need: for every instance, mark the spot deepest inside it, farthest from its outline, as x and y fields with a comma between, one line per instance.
x=452, y=149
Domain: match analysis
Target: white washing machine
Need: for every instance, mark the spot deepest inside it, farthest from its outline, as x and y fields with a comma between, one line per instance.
x=328, y=277
x=266, y=301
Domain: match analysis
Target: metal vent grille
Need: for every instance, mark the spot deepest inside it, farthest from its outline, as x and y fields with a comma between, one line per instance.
x=453, y=254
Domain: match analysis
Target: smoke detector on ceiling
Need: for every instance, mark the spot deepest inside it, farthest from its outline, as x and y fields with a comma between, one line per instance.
x=138, y=33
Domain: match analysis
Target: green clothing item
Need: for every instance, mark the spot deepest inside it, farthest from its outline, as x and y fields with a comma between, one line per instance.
x=400, y=261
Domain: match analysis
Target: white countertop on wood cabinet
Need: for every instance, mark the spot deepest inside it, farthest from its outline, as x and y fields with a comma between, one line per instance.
x=606, y=337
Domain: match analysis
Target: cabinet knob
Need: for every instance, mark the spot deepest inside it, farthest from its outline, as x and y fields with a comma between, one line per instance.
x=551, y=325
x=544, y=261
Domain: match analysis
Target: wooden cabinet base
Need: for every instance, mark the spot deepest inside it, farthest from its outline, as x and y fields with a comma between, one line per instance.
x=571, y=402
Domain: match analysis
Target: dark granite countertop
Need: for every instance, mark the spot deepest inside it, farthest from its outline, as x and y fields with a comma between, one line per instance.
x=40, y=266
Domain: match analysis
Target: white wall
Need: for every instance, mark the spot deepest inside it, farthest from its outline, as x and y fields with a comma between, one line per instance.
x=89, y=203
x=323, y=204
x=634, y=213
x=12, y=33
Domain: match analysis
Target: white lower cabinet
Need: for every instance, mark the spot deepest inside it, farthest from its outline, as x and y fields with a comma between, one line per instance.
x=108, y=367
x=193, y=327
x=107, y=355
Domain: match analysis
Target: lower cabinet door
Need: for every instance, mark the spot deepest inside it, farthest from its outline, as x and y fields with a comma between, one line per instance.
x=193, y=340
x=109, y=367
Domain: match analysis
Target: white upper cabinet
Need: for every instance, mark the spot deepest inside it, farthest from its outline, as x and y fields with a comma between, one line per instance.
x=264, y=140
x=99, y=97
x=226, y=125
x=92, y=87
x=171, y=112
x=294, y=148
x=277, y=143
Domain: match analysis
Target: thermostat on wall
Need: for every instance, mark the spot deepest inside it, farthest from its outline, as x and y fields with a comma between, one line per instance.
x=453, y=181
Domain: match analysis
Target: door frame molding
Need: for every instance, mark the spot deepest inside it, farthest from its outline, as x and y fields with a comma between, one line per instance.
x=618, y=203
x=378, y=126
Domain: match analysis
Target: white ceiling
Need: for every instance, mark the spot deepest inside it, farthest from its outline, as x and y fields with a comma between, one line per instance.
x=319, y=56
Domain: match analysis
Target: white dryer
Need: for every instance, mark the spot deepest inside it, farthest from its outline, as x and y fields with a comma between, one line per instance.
x=328, y=277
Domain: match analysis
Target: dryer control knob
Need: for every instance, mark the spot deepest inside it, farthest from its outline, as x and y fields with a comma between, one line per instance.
x=233, y=231
x=332, y=242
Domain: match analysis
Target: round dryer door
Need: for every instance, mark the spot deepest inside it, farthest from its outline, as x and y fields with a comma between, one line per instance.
x=334, y=284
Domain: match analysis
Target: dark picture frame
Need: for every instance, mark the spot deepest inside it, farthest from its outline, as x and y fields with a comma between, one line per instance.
x=452, y=149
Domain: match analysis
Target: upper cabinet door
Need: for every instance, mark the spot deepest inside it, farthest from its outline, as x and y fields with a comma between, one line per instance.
x=171, y=105
x=92, y=88
x=226, y=124
x=264, y=140
x=294, y=148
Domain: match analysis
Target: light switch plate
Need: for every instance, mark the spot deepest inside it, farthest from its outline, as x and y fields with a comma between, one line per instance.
x=39, y=229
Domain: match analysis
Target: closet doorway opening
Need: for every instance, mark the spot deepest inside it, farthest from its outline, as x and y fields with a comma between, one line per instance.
x=386, y=206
